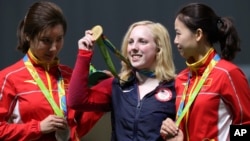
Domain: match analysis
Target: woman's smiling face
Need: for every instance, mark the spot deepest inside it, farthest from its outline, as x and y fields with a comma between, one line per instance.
x=142, y=48
x=185, y=40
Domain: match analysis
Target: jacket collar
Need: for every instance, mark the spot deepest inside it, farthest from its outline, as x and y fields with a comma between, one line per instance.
x=200, y=66
x=45, y=65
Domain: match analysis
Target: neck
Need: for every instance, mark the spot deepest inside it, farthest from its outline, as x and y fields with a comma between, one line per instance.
x=45, y=65
x=144, y=79
x=199, y=54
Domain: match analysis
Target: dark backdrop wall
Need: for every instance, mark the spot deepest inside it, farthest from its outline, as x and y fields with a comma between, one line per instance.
x=115, y=17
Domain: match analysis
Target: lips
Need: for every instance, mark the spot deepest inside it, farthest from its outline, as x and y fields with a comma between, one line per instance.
x=136, y=57
x=179, y=48
x=49, y=56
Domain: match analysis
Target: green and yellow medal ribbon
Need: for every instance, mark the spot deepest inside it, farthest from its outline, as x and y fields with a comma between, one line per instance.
x=104, y=44
x=181, y=110
x=60, y=111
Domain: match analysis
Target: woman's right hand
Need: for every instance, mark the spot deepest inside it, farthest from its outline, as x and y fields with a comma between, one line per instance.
x=52, y=123
x=86, y=42
x=168, y=128
x=178, y=137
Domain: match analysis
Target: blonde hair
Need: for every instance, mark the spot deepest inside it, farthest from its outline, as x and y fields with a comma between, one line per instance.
x=165, y=69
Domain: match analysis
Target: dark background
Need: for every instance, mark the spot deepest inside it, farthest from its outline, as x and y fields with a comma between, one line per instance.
x=115, y=16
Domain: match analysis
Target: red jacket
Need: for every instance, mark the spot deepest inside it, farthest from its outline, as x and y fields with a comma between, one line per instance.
x=23, y=103
x=223, y=100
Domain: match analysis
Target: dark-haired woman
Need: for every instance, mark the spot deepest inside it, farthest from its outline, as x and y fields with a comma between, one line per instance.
x=33, y=90
x=212, y=92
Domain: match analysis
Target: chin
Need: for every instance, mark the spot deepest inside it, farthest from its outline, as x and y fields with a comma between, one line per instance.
x=183, y=55
x=138, y=67
x=48, y=60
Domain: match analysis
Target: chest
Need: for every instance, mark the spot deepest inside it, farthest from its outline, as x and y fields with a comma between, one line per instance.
x=30, y=101
x=145, y=88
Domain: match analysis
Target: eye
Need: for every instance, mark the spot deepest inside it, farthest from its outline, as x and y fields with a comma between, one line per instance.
x=46, y=41
x=130, y=41
x=177, y=33
x=143, y=41
x=59, y=39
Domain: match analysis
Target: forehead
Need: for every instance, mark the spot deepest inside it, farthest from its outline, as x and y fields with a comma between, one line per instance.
x=141, y=31
x=179, y=24
x=56, y=30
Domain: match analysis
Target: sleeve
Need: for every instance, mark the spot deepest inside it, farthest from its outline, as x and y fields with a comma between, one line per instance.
x=81, y=96
x=87, y=121
x=173, y=101
x=237, y=95
x=11, y=131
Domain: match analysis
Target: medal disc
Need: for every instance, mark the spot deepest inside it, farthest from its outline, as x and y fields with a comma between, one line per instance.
x=97, y=31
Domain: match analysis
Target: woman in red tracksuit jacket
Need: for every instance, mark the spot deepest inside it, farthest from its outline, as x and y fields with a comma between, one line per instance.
x=33, y=90
x=138, y=101
x=216, y=89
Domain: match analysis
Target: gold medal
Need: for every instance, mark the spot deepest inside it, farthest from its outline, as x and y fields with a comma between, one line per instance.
x=97, y=31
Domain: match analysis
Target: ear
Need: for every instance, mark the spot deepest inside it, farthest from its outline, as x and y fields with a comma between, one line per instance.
x=199, y=34
x=158, y=49
x=27, y=38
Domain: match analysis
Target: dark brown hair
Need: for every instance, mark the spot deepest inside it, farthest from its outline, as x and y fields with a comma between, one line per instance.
x=40, y=16
x=217, y=29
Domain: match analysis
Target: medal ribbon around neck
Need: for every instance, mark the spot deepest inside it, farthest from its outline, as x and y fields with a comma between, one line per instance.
x=60, y=111
x=181, y=112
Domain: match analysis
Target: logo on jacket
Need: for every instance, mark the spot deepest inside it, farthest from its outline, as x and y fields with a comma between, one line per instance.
x=163, y=94
x=31, y=81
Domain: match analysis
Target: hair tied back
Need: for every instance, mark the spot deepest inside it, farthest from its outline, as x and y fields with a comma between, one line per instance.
x=219, y=22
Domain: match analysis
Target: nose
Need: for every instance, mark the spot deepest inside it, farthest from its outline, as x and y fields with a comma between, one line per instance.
x=53, y=46
x=134, y=46
x=175, y=40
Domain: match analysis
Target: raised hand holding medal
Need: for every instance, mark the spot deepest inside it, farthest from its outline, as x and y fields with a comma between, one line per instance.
x=96, y=35
x=87, y=42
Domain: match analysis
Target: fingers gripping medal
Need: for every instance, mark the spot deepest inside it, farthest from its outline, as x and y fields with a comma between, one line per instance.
x=99, y=37
x=104, y=44
x=96, y=75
